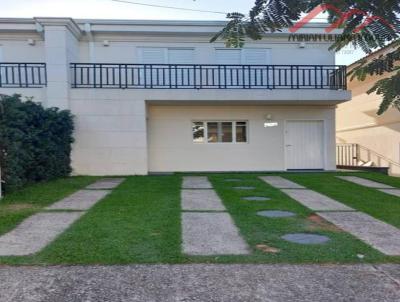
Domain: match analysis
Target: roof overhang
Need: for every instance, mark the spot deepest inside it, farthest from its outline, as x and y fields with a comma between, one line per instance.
x=149, y=27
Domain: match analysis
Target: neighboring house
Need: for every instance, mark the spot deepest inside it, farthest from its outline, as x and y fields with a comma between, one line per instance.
x=376, y=138
x=156, y=96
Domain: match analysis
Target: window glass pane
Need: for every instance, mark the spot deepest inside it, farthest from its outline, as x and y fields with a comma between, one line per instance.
x=198, y=132
x=241, y=132
x=212, y=132
x=226, y=133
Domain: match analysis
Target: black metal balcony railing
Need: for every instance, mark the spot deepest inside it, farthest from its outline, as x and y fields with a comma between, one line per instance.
x=173, y=76
x=23, y=75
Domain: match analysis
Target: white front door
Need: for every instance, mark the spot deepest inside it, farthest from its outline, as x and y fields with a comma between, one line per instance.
x=304, y=144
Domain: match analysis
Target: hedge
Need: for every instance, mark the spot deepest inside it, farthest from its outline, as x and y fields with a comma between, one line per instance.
x=35, y=142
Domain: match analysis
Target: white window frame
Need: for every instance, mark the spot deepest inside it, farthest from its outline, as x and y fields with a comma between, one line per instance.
x=205, y=124
x=181, y=48
x=165, y=51
x=268, y=58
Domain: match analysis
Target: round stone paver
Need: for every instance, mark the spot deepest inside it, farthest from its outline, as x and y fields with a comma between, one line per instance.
x=244, y=188
x=276, y=214
x=256, y=198
x=302, y=238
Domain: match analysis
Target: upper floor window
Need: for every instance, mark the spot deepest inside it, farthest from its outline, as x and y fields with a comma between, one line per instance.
x=162, y=55
x=219, y=131
x=246, y=56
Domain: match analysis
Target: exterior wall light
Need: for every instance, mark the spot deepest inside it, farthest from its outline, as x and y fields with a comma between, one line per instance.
x=31, y=42
x=269, y=122
x=106, y=43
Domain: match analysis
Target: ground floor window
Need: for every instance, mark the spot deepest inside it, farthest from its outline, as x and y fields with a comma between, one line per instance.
x=219, y=131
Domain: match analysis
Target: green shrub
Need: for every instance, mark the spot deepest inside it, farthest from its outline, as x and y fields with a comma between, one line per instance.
x=35, y=142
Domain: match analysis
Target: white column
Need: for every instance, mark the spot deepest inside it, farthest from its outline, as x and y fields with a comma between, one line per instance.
x=61, y=48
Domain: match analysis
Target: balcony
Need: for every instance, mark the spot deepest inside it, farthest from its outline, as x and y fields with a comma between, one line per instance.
x=23, y=75
x=173, y=76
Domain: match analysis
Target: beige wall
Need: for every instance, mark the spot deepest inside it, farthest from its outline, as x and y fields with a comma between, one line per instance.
x=111, y=130
x=379, y=136
x=171, y=147
x=110, y=133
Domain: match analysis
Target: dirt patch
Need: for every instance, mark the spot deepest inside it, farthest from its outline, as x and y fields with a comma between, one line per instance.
x=267, y=249
x=318, y=223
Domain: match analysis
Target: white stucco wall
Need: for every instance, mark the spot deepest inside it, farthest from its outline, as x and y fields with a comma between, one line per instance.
x=171, y=146
x=111, y=136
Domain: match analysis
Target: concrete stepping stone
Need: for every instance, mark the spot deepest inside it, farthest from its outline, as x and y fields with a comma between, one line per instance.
x=196, y=182
x=81, y=200
x=380, y=235
x=256, y=198
x=304, y=238
x=35, y=232
x=206, y=234
x=105, y=184
x=365, y=182
x=394, y=192
x=316, y=201
x=280, y=182
x=201, y=200
x=244, y=188
x=276, y=214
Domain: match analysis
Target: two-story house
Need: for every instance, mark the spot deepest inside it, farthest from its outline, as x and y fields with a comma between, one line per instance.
x=157, y=96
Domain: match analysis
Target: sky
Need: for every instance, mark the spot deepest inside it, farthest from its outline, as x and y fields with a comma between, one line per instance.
x=108, y=9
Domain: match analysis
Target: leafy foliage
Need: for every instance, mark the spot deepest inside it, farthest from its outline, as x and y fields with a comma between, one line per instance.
x=379, y=66
x=366, y=24
x=236, y=30
x=389, y=89
x=35, y=143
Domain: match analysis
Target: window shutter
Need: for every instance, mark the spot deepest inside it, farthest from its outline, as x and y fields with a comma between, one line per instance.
x=228, y=56
x=181, y=76
x=255, y=56
x=180, y=56
x=153, y=55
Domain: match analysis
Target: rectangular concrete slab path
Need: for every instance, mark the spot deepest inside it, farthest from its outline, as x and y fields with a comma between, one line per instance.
x=365, y=182
x=280, y=182
x=207, y=233
x=316, y=201
x=211, y=234
x=36, y=232
x=394, y=192
x=382, y=236
x=196, y=182
x=372, y=184
x=105, y=184
x=81, y=200
x=201, y=200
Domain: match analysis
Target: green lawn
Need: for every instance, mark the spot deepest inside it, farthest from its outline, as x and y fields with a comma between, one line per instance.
x=371, y=201
x=139, y=222
x=260, y=230
x=16, y=206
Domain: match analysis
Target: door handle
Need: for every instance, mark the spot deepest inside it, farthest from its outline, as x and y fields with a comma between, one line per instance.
x=288, y=145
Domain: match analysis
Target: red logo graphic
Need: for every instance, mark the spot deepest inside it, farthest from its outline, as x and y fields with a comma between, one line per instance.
x=343, y=16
